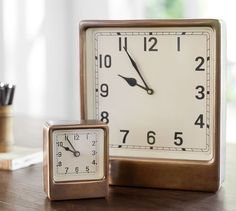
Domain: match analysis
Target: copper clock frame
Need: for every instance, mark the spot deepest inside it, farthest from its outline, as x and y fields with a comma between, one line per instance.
x=167, y=173
x=72, y=189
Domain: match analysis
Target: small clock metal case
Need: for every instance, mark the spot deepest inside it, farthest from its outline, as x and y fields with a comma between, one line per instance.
x=159, y=84
x=75, y=159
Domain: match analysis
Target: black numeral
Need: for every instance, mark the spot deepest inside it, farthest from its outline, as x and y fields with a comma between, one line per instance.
x=104, y=61
x=59, y=164
x=199, y=67
x=66, y=137
x=201, y=93
x=66, y=168
x=94, y=162
x=87, y=168
x=76, y=170
x=126, y=132
x=151, y=137
x=178, y=139
x=122, y=43
x=76, y=136
x=93, y=143
x=178, y=43
x=104, y=90
x=150, y=44
x=60, y=143
x=59, y=154
x=93, y=152
x=199, y=121
x=105, y=116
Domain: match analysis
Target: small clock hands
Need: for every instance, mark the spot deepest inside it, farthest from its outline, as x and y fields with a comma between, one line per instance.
x=67, y=148
x=149, y=91
x=75, y=152
x=133, y=82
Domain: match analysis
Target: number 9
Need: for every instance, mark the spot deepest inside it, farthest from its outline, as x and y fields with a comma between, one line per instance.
x=104, y=90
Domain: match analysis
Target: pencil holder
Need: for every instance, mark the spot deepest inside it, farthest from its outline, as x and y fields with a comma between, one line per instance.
x=6, y=128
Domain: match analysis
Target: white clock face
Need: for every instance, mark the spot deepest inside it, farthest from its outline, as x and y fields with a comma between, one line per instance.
x=78, y=154
x=155, y=89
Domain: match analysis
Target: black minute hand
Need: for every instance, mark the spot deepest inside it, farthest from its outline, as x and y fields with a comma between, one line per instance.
x=149, y=91
x=70, y=143
x=76, y=153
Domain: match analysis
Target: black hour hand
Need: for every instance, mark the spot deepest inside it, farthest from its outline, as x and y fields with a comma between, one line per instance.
x=76, y=153
x=133, y=82
x=68, y=149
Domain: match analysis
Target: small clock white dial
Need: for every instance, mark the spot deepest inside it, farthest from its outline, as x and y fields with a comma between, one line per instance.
x=78, y=154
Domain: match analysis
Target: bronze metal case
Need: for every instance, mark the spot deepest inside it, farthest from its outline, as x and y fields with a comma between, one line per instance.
x=72, y=189
x=164, y=173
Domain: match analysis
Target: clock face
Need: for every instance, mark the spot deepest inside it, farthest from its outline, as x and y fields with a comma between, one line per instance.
x=78, y=154
x=155, y=89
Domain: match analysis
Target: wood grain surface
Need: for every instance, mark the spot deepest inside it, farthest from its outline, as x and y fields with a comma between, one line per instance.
x=23, y=189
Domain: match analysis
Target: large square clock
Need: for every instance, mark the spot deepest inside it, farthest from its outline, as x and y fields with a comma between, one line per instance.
x=158, y=84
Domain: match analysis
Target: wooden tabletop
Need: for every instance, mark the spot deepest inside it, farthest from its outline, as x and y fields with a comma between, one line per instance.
x=23, y=189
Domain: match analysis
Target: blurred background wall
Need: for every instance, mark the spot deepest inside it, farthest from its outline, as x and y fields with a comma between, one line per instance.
x=39, y=47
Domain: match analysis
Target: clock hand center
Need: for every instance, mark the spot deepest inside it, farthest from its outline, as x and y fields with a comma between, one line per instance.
x=76, y=153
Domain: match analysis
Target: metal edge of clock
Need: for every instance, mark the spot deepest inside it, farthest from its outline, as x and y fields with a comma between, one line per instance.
x=85, y=24
x=69, y=189
x=160, y=173
x=223, y=109
x=46, y=160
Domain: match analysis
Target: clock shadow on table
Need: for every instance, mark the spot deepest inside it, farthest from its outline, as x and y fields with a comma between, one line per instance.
x=129, y=198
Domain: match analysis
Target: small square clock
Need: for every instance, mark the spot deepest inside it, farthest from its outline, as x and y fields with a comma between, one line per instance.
x=75, y=159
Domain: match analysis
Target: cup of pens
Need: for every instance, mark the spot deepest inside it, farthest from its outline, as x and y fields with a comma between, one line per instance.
x=6, y=118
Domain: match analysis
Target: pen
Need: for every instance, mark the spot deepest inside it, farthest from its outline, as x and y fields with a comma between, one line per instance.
x=2, y=93
x=12, y=92
x=6, y=94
